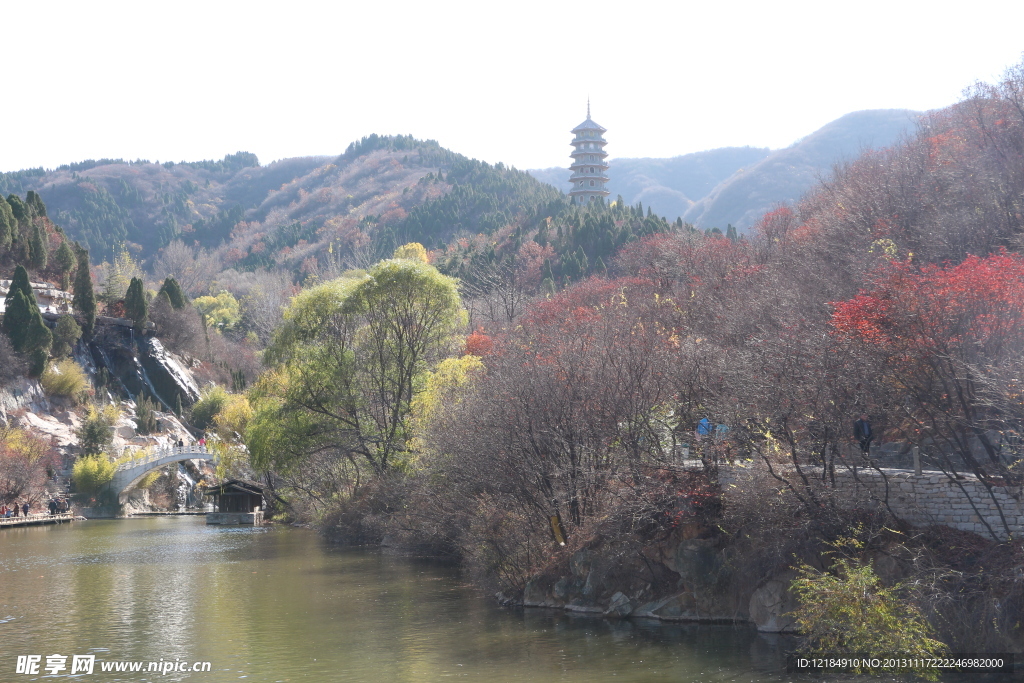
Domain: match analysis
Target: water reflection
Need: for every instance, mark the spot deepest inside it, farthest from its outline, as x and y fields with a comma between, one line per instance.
x=278, y=605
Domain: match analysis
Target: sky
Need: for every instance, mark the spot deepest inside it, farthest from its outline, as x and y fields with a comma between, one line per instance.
x=498, y=81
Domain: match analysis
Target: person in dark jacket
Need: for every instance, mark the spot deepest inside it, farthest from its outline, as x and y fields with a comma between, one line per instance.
x=863, y=433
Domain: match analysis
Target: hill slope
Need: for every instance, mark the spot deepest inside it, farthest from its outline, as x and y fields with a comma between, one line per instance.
x=383, y=189
x=786, y=174
x=737, y=185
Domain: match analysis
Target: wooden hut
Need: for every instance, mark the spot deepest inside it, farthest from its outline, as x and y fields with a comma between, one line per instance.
x=237, y=502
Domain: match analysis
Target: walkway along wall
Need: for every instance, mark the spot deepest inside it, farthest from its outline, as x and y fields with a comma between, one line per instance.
x=920, y=499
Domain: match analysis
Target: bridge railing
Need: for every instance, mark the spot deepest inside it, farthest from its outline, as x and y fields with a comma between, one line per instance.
x=197, y=450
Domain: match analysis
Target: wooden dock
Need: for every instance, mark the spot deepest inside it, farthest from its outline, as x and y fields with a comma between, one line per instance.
x=40, y=519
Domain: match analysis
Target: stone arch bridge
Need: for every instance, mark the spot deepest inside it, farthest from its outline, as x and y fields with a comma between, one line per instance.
x=130, y=471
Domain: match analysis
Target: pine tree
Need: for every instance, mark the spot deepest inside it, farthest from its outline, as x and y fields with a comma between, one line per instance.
x=85, y=298
x=18, y=207
x=24, y=324
x=17, y=317
x=35, y=204
x=174, y=294
x=135, y=304
x=65, y=261
x=66, y=334
x=730, y=232
x=7, y=225
x=39, y=253
x=20, y=283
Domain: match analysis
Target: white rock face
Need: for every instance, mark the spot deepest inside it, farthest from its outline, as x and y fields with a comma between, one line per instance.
x=47, y=425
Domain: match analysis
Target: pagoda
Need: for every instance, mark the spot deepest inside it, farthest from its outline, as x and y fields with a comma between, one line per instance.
x=588, y=166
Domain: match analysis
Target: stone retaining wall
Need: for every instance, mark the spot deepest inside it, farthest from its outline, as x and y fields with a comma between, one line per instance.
x=920, y=499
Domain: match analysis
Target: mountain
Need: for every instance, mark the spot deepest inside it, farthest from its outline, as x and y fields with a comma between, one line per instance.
x=382, y=191
x=670, y=186
x=787, y=174
x=737, y=185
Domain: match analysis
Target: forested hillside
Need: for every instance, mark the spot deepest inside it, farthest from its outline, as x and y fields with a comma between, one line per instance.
x=289, y=214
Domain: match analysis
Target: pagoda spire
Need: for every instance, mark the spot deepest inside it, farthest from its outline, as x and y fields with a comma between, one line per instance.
x=588, y=162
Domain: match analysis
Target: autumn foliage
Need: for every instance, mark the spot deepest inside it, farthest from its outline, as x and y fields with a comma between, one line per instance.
x=974, y=305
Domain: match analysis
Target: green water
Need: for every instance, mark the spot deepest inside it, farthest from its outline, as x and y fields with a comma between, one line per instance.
x=278, y=604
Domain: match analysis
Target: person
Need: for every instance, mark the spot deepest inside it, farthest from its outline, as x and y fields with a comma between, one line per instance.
x=202, y=442
x=863, y=433
x=703, y=428
x=53, y=507
x=24, y=508
x=17, y=509
x=3, y=510
x=181, y=443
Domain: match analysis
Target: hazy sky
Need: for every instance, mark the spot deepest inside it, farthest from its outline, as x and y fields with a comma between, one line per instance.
x=499, y=81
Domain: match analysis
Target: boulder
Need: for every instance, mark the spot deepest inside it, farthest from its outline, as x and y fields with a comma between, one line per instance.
x=619, y=606
x=771, y=604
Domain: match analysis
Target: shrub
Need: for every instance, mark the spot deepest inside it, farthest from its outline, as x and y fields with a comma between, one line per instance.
x=91, y=473
x=64, y=378
x=849, y=611
x=208, y=406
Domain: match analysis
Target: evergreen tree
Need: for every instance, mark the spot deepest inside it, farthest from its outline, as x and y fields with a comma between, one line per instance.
x=730, y=232
x=38, y=249
x=65, y=261
x=18, y=208
x=85, y=298
x=65, y=335
x=7, y=225
x=135, y=304
x=20, y=283
x=24, y=324
x=35, y=204
x=174, y=294
x=17, y=318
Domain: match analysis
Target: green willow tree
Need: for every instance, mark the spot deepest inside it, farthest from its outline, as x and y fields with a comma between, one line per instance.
x=346, y=364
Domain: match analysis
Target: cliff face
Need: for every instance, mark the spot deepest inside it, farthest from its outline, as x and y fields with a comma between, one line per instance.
x=138, y=366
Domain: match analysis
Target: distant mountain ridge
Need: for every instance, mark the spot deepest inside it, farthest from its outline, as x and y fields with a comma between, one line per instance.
x=737, y=185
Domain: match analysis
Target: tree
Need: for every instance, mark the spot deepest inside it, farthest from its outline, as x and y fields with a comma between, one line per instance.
x=145, y=415
x=65, y=336
x=117, y=276
x=39, y=250
x=85, y=298
x=35, y=204
x=174, y=294
x=192, y=268
x=346, y=366
x=24, y=324
x=20, y=283
x=135, y=304
x=221, y=311
x=23, y=464
x=8, y=225
x=65, y=262
x=97, y=430
x=939, y=336
x=414, y=251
